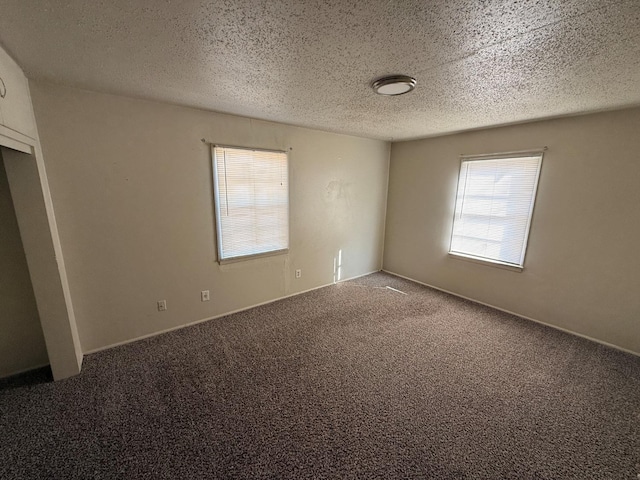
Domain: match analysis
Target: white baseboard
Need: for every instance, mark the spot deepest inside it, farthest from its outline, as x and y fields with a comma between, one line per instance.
x=556, y=327
x=196, y=322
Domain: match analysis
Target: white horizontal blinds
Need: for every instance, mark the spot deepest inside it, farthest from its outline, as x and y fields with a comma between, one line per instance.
x=493, y=208
x=252, y=195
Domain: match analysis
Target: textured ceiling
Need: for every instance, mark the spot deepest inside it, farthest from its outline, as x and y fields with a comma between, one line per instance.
x=310, y=62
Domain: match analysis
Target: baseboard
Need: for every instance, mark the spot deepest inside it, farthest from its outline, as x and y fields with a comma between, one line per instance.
x=196, y=322
x=23, y=370
x=524, y=317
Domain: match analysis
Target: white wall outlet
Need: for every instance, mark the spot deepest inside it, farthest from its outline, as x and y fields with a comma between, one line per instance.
x=298, y=273
x=204, y=296
x=162, y=305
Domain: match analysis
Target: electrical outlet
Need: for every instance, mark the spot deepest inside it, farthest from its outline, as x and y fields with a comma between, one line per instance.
x=298, y=273
x=204, y=296
x=162, y=305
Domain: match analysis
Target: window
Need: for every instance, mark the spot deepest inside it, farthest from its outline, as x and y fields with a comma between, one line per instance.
x=494, y=205
x=251, y=190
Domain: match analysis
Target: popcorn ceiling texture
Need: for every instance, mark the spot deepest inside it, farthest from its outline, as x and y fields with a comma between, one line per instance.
x=478, y=63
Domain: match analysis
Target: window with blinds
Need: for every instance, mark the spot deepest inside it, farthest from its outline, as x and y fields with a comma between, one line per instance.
x=251, y=190
x=494, y=205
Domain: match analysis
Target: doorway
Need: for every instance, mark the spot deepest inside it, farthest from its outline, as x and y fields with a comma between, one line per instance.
x=22, y=345
x=32, y=212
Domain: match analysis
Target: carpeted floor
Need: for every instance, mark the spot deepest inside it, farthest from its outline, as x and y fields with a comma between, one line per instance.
x=350, y=381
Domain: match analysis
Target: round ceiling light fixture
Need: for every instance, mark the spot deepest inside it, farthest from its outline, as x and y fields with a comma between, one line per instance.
x=394, y=85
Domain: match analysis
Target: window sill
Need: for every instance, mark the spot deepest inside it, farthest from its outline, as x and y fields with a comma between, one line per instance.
x=489, y=263
x=227, y=261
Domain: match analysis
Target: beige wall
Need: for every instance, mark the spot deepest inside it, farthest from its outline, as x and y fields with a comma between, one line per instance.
x=131, y=187
x=22, y=344
x=582, y=269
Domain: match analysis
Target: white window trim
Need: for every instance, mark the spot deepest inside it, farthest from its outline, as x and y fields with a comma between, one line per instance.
x=216, y=203
x=490, y=156
x=486, y=261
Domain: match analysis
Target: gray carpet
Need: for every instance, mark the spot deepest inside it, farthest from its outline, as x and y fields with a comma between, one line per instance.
x=349, y=381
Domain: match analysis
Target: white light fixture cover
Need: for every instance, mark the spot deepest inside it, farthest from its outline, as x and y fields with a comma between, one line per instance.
x=394, y=85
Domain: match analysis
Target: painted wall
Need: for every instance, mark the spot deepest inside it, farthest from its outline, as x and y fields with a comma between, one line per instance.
x=22, y=344
x=131, y=185
x=582, y=269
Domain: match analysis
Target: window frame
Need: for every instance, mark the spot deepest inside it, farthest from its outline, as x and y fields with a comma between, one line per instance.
x=216, y=204
x=539, y=152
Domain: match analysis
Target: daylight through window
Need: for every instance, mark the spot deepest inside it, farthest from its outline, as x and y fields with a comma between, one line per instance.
x=494, y=205
x=251, y=190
